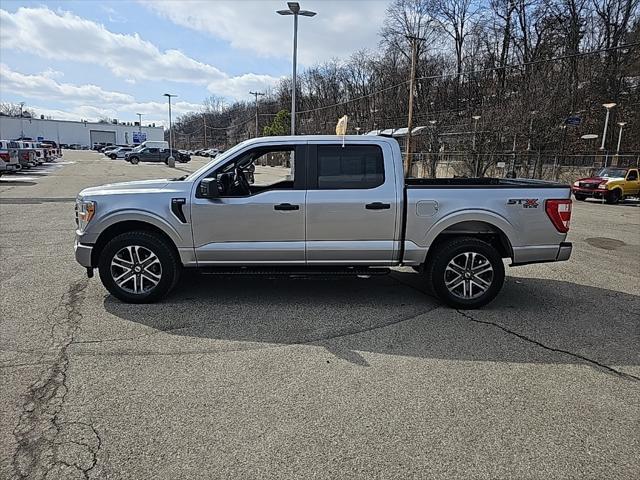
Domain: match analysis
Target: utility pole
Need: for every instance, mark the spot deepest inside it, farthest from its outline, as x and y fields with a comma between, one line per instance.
x=139, y=122
x=204, y=119
x=257, y=94
x=412, y=79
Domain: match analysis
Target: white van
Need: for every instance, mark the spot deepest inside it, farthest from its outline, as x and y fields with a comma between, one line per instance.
x=152, y=144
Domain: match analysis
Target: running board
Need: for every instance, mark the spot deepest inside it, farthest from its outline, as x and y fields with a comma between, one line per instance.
x=294, y=271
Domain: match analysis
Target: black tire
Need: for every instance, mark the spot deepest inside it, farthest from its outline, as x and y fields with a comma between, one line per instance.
x=613, y=197
x=580, y=198
x=113, y=156
x=169, y=269
x=445, y=253
x=134, y=160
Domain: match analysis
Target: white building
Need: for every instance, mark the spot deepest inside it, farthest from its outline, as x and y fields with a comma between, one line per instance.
x=82, y=133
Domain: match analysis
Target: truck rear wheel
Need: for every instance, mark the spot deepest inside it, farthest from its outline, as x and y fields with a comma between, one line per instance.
x=465, y=272
x=138, y=267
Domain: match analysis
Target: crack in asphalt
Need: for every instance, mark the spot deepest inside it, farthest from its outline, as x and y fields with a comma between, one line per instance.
x=43, y=438
x=525, y=338
x=591, y=361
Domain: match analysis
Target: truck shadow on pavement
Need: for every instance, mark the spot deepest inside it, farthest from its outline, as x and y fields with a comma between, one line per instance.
x=531, y=321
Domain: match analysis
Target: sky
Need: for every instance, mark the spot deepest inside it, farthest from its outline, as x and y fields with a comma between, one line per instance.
x=90, y=59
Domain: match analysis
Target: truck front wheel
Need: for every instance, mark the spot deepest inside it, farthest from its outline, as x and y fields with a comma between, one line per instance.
x=465, y=272
x=138, y=267
x=613, y=197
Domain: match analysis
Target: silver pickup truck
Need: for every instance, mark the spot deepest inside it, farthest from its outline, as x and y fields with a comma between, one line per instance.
x=319, y=205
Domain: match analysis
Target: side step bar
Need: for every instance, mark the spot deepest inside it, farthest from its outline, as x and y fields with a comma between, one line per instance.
x=294, y=271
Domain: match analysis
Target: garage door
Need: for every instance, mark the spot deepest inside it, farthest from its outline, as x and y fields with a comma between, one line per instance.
x=101, y=136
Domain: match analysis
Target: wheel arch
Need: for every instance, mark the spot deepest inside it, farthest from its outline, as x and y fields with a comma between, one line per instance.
x=124, y=226
x=490, y=228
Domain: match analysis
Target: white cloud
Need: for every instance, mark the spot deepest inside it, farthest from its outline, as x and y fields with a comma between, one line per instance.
x=85, y=101
x=339, y=29
x=69, y=37
x=237, y=87
x=46, y=87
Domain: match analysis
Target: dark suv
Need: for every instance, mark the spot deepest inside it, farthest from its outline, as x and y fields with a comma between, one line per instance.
x=152, y=154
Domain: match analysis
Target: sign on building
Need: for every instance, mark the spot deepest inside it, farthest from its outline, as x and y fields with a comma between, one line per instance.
x=139, y=137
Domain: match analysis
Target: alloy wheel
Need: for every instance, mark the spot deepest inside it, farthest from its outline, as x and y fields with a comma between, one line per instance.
x=136, y=269
x=468, y=275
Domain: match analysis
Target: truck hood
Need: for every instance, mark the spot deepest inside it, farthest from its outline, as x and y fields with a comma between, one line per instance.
x=139, y=186
x=599, y=179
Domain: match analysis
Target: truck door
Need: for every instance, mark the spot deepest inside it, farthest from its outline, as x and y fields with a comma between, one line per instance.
x=254, y=223
x=632, y=184
x=150, y=154
x=352, y=204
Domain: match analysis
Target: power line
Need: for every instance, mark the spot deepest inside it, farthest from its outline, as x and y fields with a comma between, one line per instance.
x=472, y=72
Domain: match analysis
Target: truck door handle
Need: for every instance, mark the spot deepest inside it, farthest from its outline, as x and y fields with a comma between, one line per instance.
x=286, y=206
x=377, y=206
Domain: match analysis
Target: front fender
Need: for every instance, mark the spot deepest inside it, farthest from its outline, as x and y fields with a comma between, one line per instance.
x=91, y=235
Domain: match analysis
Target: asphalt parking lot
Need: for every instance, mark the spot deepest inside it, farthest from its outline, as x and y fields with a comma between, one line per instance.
x=296, y=378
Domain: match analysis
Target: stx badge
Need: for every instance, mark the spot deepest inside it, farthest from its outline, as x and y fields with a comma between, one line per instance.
x=525, y=202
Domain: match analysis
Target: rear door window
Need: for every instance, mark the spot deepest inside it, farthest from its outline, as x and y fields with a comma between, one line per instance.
x=349, y=167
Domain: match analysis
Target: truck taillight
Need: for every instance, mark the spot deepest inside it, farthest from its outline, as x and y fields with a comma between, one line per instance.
x=4, y=156
x=559, y=212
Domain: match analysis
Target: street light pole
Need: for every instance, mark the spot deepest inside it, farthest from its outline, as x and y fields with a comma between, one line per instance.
x=169, y=95
x=621, y=124
x=256, y=94
x=294, y=9
x=139, y=122
x=608, y=106
x=21, y=121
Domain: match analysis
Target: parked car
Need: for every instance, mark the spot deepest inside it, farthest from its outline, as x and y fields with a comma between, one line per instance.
x=9, y=161
x=612, y=184
x=119, y=152
x=153, y=154
x=345, y=208
x=26, y=154
x=53, y=147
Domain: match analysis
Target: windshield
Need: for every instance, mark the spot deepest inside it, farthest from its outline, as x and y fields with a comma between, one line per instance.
x=612, y=172
x=220, y=158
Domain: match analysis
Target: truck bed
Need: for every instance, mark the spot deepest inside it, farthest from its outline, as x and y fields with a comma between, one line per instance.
x=486, y=182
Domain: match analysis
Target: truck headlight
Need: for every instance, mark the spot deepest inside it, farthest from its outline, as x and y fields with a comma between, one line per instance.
x=603, y=186
x=85, y=210
x=576, y=184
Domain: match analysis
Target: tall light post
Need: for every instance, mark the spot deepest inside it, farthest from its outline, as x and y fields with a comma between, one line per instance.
x=621, y=124
x=21, y=121
x=608, y=106
x=139, y=122
x=169, y=95
x=475, y=128
x=257, y=94
x=294, y=9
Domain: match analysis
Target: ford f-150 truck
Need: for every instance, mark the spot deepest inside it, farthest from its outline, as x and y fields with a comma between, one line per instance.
x=338, y=206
